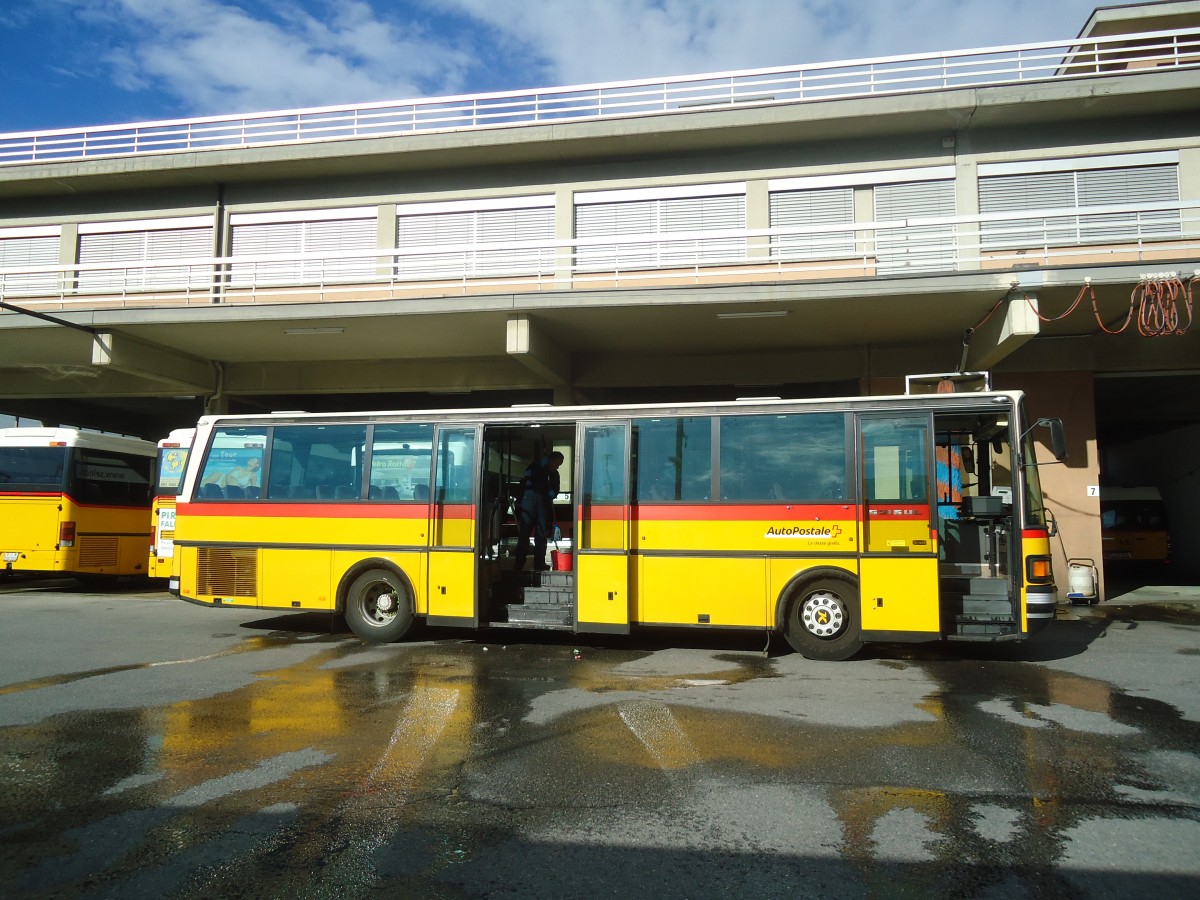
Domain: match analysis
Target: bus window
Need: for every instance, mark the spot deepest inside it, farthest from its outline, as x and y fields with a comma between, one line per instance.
x=325, y=462
x=894, y=455
x=673, y=459
x=172, y=462
x=456, y=454
x=29, y=468
x=400, y=461
x=604, y=465
x=783, y=457
x=233, y=467
x=112, y=479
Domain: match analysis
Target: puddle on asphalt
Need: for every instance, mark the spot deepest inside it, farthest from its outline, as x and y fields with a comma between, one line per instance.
x=358, y=745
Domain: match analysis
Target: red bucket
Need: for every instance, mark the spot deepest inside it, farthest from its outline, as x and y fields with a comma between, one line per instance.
x=562, y=560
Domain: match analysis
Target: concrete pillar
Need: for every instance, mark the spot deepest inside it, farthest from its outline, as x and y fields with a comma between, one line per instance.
x=758, y=216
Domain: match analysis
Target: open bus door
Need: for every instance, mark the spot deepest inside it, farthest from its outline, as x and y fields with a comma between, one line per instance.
x=898, y=575
x=451, y=578
x=602, y=527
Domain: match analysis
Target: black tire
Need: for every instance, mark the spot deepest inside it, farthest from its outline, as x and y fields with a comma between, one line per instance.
x=823, y=620
x=379, y=608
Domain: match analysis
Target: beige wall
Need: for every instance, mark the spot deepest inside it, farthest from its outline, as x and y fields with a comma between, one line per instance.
x=1071, y=397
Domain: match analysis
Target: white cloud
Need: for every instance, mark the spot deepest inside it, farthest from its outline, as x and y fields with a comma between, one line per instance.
x=605, y=40
x=225, y=56
x=217, y=57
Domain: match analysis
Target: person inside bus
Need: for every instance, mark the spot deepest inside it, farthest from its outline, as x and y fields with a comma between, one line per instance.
x=535, y=509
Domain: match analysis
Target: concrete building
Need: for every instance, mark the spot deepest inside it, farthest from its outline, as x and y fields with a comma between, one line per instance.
x=1032, y=211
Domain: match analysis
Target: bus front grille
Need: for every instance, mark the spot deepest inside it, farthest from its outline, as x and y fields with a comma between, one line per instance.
x=97, y=551
x=228, y=572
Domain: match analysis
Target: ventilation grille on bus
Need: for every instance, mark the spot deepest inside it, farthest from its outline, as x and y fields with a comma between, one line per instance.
x=228, y=572
x=97, y=551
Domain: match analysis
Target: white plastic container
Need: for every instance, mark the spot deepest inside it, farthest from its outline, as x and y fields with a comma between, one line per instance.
x=1082, y=581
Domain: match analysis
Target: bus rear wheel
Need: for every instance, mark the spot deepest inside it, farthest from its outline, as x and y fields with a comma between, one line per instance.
x=822, y=621
x=378, y=607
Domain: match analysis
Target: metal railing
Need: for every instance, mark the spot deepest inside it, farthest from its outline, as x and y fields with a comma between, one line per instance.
x=1099, y=236
x=1050, y=60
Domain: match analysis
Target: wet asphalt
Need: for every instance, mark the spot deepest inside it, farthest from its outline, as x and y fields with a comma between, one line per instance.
x=151, y=747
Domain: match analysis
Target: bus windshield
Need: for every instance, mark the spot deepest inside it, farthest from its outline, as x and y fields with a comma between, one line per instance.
x=1035, y=502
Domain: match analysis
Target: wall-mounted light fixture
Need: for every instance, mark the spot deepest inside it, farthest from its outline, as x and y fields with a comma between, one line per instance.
x=764, y=314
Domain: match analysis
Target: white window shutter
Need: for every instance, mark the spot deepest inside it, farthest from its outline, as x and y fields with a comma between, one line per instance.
x=903, y=246
x=23, y=252
x=810, y=209
x=124, y=253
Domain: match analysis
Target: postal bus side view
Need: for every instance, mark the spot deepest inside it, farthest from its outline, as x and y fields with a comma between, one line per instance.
x=74, y=502
x=833, y=522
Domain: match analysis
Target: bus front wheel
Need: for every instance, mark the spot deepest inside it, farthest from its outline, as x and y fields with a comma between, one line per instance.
x=822, y=621
x=378, y=608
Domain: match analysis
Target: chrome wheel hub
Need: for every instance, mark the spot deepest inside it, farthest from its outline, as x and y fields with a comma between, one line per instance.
x=822, y=614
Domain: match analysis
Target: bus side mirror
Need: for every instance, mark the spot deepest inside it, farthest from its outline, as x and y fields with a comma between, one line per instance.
x=1058, y=438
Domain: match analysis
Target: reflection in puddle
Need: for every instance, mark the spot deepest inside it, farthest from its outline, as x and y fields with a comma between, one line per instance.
x=365, y=769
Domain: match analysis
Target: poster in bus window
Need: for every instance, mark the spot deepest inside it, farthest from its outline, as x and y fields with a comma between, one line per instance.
x=170, y=476
x=241, y=467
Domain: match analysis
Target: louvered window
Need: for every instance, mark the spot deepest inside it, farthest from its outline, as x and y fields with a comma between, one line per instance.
x=823, y=219
x=660, y=232
x=112, y=260
x=290, y=249
x=905, y=243
x=20, y=250
x=1046, y=196
x=466, y=242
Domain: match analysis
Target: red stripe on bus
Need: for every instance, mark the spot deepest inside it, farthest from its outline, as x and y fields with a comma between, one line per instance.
x=740, y=512
x=30, y=494
x=354, y=510
x=1034, y=533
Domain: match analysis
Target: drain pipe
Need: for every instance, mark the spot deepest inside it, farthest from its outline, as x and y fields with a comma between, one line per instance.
x=211, y=400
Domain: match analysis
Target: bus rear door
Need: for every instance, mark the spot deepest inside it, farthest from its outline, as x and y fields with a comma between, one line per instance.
x=601, y=501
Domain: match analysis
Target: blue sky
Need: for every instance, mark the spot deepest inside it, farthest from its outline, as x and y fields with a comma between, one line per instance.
x=69, y=63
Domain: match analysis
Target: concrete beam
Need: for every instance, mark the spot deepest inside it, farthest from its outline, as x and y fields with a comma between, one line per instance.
x=378, y=376
x=153, y=362
x=529, y=345
x=79, y=382
x=1008, y=329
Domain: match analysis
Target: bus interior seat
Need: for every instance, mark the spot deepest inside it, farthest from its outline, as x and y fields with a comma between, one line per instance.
x=235, y=492
x=211, y=492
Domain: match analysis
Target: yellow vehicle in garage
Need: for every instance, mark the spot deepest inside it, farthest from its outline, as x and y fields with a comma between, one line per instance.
x=1133, y=526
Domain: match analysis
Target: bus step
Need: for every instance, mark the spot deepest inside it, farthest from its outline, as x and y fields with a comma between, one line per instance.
x=985, y=619
x=537, y=615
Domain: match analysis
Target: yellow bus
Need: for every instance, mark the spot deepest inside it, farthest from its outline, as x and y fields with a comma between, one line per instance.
x=833, y=522
x=169, y=467
x=74, y=501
